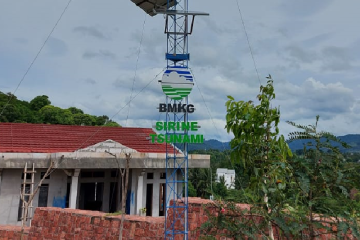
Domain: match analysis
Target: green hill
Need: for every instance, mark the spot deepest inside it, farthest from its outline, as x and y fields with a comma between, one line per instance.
x=40, y=110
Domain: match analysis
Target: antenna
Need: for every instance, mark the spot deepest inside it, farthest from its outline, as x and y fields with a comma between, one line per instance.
x=177, y=83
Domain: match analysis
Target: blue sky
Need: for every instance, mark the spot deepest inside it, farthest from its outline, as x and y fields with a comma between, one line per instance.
x=311, y=49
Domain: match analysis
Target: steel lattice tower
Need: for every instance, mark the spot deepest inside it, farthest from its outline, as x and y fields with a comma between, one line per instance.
x=177, y=29
x=177, y=83
x=177, y=56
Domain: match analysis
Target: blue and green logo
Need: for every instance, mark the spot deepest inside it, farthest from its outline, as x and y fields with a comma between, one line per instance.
x=177, y=82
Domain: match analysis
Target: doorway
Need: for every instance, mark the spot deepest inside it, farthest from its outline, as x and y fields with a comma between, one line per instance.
x=149, y=199
x=113, y=200
x=91, y=195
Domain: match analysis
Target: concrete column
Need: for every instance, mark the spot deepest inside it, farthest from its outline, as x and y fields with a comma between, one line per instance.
x=1, y=170
x=156, y=191
x=133, y=185
x=74, y=189
x=179, y=185
x=107, y=193
x=139, y=194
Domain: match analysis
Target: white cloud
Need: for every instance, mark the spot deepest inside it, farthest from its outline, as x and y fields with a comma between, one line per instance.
x=90, y=60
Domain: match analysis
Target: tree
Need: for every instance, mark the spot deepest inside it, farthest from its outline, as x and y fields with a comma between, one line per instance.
x=101, y=120
x=84, y=119
x=39, y=102
x=191, y=190
x=220, y=189
x=111, y=123
x=323, y=180
x=39, y=110
x=201, y=179
x=257, y=146
x=75, y=110
x=55, y=115
x=305, y=194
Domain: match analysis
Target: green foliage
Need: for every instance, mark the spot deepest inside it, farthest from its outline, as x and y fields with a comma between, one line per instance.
x=75, y=110
x=288, y=191
x=201, y=180
x=39, y=110
x=117, y=213
x=111, y=123
x=39, y=102
x=84, y=119
x=219, y=189
x=256, y=144
x=324, y=179
x=191, y=190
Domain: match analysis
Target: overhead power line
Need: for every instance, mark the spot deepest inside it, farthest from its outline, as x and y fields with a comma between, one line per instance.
x=62, y=159
x=136, y=68
x=248, y=41
x=217, y=130
x=35, y=58
x=162, y=70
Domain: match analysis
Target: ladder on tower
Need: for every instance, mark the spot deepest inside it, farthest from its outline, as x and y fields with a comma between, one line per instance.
x=27, y=190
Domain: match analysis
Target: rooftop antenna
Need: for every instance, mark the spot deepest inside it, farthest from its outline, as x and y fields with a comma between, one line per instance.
x=176, y=83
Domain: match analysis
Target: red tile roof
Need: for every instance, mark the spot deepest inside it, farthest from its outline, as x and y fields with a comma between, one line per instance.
x=45, y=138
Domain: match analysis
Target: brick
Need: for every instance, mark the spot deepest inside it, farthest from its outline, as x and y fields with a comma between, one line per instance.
x=139, y=232
x=88, y=227
x=126, y=224
x=125, y=233
x=160, y=232
x=99, y=230
x=96, y=221
x=150, y=234
x=105, y=223
x=132, y=230
x=55, y=223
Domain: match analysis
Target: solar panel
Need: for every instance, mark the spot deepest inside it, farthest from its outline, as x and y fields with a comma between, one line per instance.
x=151, y=6
x=180, y=12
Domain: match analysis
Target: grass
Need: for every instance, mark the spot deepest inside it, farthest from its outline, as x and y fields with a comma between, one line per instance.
x=113, y=214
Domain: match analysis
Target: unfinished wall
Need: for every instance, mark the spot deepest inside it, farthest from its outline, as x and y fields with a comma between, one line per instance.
x=56, y=223
x=66, y=224
x=10, y=192
x=13, y=233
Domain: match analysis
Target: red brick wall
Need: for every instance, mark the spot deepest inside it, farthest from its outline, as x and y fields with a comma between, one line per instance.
x=12, y=233
x=55, y=223
x=66, y=224
x=198, y=216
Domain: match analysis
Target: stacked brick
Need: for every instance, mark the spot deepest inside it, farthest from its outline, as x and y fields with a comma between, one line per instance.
x=66, y=224
x=55, y=223
x=198, y=215
x=200, y=208
x=13, y=233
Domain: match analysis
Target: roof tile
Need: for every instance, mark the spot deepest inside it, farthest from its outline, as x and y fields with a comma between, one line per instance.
x=45, y=138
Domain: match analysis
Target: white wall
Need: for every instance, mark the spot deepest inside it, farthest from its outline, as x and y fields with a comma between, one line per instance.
x=156, y=189
x=134, y=205
x=228, y=177
x=10, y=192
x=11, y=184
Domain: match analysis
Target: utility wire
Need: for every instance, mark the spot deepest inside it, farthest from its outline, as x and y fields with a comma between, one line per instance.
x=162, y=70
x=127, y=117
x=202, y=96
x=217, y=130
x=62, y=159
x=136, y=68
x=128, y=103
x=248, y=41
x=35, y=58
